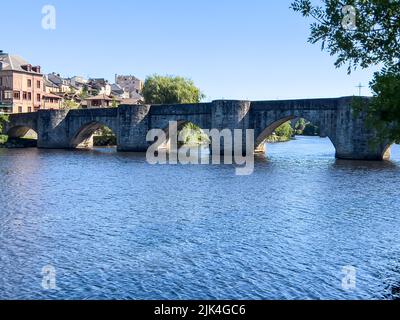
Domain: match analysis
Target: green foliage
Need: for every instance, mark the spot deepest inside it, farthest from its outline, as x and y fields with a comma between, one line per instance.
x=169, y=90
x=3, y=119
x=114, y=103
x=104, y=137
x=193, y=135
x=70, y=104
x=104, y=131
x=85, y=92
x=310, y=130
x=373, y=41
x=300, y=125
x=383, y=110
x=281, y=134
x=306, y=128
x=285, y=130
x=104, y=141
x=3, y=139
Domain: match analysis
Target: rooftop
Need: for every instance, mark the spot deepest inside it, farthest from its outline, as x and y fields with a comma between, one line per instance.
x=15, y=63
x=51, y=95
x=101, y=97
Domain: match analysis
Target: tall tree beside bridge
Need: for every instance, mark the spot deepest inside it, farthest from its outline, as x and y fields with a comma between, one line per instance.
x=170, y=90
x=362, y=34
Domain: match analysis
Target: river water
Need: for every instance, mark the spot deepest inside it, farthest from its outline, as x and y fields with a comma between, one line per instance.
x=114, y=227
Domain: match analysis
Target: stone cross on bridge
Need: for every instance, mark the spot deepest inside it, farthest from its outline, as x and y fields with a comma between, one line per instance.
x=131, y=123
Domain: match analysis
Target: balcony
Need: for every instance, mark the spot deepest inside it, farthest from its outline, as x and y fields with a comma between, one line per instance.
x=5, y=108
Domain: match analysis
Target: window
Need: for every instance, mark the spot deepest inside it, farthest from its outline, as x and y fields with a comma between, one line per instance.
x=29, y=109
x=24, y=95
x=38, y=97
x=29, y=96
x=38, y=84
x=17, y=95
x=20, y=109
x=29, y=83
x=8, y=95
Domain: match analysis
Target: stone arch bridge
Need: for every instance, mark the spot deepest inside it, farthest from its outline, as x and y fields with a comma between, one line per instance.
x=131, y=123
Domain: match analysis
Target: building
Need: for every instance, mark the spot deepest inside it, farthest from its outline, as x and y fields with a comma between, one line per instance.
x=62, y=84
x=118, y=91
x=130, y=84
x=21, y=85
x=100, y=86
x=101, y=101
x=50, y=87
x=78, y=82
x=52, y=101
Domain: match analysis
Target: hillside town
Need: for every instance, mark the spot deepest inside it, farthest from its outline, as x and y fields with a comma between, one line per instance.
x=25, y=88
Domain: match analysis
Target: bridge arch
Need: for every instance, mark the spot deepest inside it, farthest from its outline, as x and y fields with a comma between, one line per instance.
x=84, y=135
x=273, y=120
x=386, y=151
x=20, y=131
x=181, y=124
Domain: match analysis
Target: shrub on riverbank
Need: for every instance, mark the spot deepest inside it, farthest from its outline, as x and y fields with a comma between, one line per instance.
x=3, y=139
x=305, y=128
x=282, y=134
x=105, y=141
x=16, y=143
x=3, y=119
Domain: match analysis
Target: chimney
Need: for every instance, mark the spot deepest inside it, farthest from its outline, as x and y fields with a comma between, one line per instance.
x=27, y=67
x=36, y=69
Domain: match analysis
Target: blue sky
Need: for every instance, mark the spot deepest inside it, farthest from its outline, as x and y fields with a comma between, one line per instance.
x=253, y=49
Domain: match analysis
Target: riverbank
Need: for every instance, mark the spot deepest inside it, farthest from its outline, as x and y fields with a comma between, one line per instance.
x=277, y=139
x=17, y=143
x=104, y=141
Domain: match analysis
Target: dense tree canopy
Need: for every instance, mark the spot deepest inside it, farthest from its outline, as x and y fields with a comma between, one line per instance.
x=362, y=34
x=168, y=89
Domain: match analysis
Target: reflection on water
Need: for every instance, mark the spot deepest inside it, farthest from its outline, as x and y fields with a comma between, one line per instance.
x=114, y=226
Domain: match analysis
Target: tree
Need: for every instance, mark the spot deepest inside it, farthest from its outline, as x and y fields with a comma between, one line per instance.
x=300, y=125
x=362, y=34
x=114, y=103
x=285, y=130
x=193, y=135
x=85, y=92
x=70, y=104
x=383, y=110
x=170, y=90
x=3, y=119
x=310, y=130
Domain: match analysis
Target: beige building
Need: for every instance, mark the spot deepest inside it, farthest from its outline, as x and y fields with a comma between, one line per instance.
x=52, y=101
x=101, y=101
x=131, y=85
x=21, y=85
